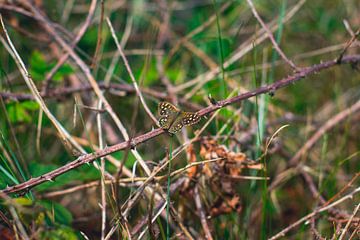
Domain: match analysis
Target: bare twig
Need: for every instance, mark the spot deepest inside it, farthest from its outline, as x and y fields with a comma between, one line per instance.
x=349, y=222
x=65, y=56
x=243, y=49
x=348, y=44
x=99, y=36
x=321, y=131
x=130, y=72
x=89, y=77
x=272, y=39
x=349, y=184
x=135, y=181
x=314, y=230
x=310, y=215
x=202, y=214
x=64, y=135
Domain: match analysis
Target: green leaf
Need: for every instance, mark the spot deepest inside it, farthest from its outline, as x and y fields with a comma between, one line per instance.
x=20, y=112
x=23, y=201
x=64, y=70
x=30, y=105
x=38, y=66
x=60, y=233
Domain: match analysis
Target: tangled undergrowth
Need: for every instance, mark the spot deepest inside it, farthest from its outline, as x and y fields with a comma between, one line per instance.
x=262, y=140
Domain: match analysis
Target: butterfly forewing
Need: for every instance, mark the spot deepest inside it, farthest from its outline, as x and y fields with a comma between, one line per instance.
x=165, y=108
x=168, y=113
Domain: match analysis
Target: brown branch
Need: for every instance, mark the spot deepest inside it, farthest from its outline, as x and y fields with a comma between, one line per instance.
x=315, y=232
x=99, y=36
x=50, y=176
x=65, y=91
x=271, y=37
x=349, y=222
x=348, y=44
x=142, y=222
x=343, y=189
x=314, y=213
x=279, y=84
x=202, y=213
x=61, y=92
x=321, y=131
x=317, y=195
x=65, y=56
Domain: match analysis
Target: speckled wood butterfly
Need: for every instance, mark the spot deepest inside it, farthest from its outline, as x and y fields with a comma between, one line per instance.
x=173, y=119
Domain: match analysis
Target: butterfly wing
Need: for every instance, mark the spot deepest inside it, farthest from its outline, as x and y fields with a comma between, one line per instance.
x=189, y=118
x=168, y=113
x=165, y=122
x=184, y=119
x=166, y=108
x=176, y=125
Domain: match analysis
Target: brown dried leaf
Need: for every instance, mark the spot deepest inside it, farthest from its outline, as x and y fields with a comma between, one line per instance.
x=224, y=206
x=191, y=172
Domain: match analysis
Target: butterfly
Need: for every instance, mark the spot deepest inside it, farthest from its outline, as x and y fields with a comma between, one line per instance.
x=173, y=119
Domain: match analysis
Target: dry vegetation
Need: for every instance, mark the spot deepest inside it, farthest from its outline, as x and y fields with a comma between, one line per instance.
x=275, y=154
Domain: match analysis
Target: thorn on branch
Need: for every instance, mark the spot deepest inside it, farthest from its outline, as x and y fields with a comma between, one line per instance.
x=272, y=93
x=132, y=144
x=212, y=100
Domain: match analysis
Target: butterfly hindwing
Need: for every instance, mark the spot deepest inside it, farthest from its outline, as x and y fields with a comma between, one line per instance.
x=176, y=126
x=165, y=122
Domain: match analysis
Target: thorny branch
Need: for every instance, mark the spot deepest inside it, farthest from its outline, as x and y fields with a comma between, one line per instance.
x=87, y=158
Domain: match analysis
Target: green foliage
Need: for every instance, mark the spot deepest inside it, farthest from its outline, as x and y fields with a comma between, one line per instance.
x=48, y=215
x=39, y=67
x=60, y=233
x=22, y=111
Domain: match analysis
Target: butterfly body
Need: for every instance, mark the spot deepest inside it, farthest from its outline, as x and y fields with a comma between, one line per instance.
x=173, y=119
